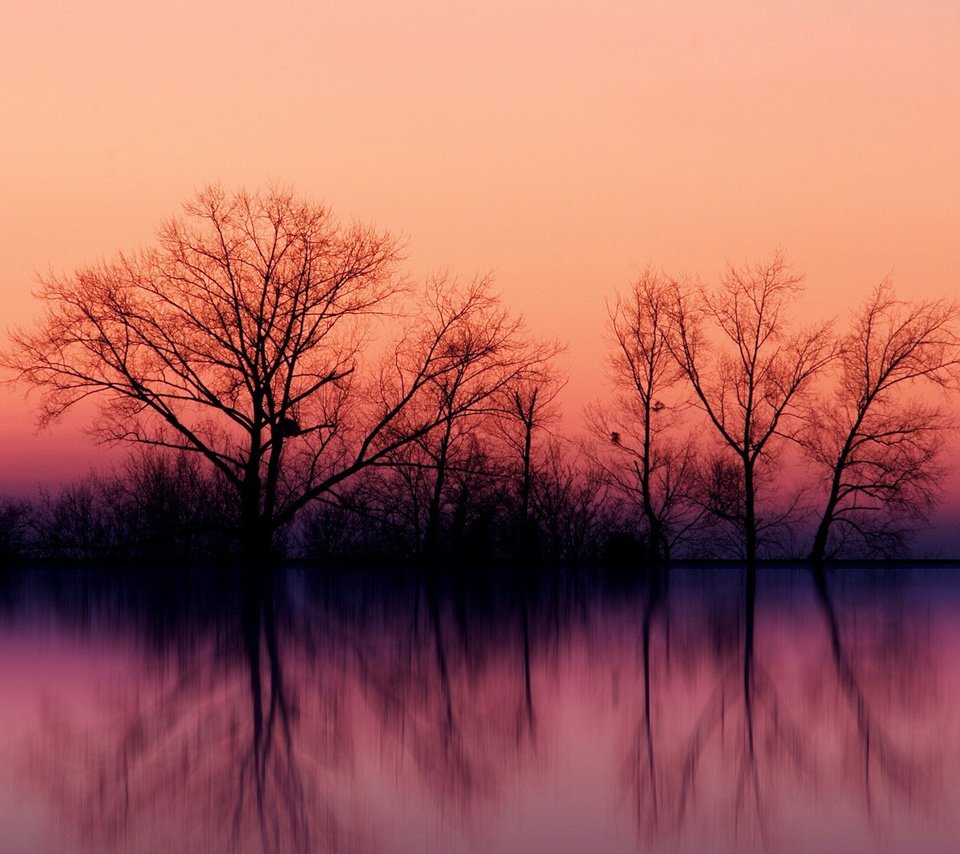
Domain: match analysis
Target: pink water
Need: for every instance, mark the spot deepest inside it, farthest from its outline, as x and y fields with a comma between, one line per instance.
x=385, y=725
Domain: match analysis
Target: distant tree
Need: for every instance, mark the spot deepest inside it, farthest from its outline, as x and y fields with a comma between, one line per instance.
x=877, y=439
x=746, y=366
x=493, y=354
x=15, y=518
x=645, y=465
x=156, y=505
x=78, y=520
x=527, y=408
x=570, y=504
x=240, y=338
x=170, y=505
x=397, y=498
x=477, y=504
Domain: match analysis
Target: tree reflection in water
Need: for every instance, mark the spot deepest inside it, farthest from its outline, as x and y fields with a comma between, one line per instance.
x=241, y=732
x=316, y=713
x=204, y=751
x=882, y=675
x=758, y=744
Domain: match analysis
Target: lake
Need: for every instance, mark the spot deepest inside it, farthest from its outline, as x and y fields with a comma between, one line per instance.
x=158, y=710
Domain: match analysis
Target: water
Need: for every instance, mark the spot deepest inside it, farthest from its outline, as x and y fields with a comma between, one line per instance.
x=372, y=712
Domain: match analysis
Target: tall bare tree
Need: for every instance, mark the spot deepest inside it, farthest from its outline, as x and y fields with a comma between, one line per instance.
x=527, y=407
x=488, y=352
x=747, y=367
x=643, y=462
x=240, y=338
x=877, y=447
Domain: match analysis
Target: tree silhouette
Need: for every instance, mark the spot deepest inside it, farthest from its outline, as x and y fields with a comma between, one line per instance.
x=527, y=408
x=747, y=368
x=644, y=464
x=155, y=506
x=490, y=354
x=14, y=522
x=240, y=338
x=878, y=449
x=570, y=505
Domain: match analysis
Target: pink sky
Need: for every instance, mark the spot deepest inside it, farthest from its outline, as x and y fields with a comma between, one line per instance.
x=561, y=145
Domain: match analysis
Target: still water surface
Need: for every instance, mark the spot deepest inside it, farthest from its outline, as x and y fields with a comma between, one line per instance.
x=180, y=711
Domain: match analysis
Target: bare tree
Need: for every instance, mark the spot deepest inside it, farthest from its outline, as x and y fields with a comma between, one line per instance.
x=491, y=354
x=14, y=527
x=240, y=338
x=644, y=464
x=877, y=448
x=570, y=504
x=155, y=506
x=747, y=368
x=527, y=409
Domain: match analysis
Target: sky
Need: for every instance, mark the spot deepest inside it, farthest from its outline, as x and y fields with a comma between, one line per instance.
x=562, y=146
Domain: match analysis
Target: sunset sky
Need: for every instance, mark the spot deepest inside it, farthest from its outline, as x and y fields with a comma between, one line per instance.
x=561, y=145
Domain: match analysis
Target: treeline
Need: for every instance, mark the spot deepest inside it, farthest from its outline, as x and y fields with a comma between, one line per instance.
x=156, y=505
x=162, y=506
x=814, y=444
x=289, y=393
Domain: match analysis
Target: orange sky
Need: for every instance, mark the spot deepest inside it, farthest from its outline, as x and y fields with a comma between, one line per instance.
x=563, y=145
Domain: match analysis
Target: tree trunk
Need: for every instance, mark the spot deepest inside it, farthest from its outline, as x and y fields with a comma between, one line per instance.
x=818, y=552
x=431, y=544
x=256, y=533
x=656, y=540
x=526, y=544
x=749, y=513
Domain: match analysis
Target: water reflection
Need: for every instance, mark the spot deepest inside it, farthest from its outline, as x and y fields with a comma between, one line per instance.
x=759, y=713
x=392, y=712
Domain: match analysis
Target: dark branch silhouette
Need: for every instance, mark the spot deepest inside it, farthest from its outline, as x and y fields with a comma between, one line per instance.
x=748, y=369
x=637, y=436
x=878, y=448
x=240, y=338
